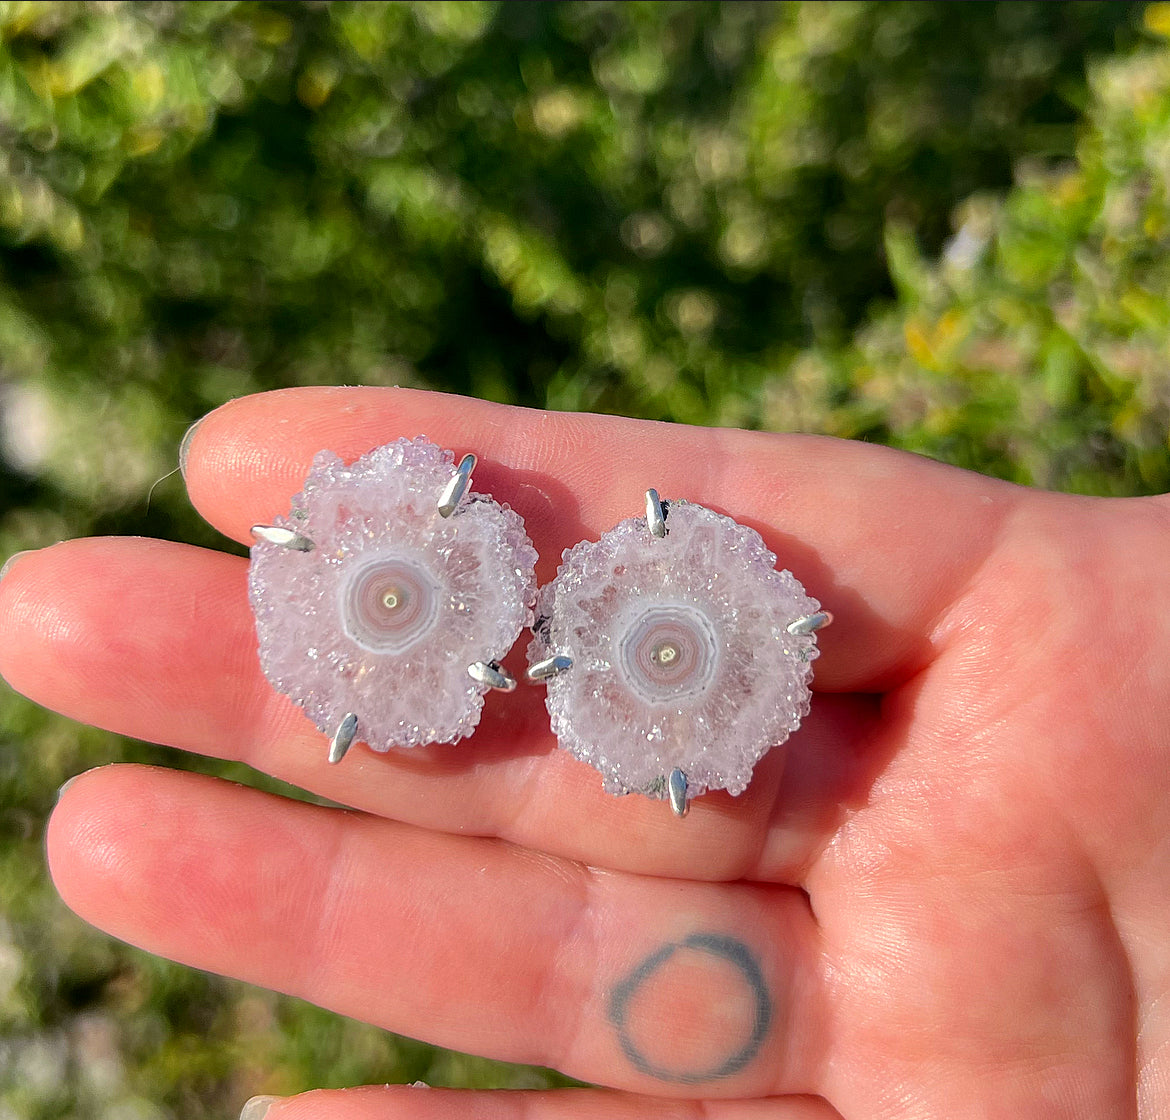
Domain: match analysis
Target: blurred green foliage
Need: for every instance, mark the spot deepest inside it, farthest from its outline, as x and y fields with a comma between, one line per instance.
x=941, y=226
x=1037, y=347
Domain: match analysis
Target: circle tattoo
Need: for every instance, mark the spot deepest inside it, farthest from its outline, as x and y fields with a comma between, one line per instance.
x=722, y=948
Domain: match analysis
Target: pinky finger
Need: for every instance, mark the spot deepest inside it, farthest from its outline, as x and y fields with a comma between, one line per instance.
x=407, y=1102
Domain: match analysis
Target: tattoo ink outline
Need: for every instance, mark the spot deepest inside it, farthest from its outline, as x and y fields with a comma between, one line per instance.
x=725, y=948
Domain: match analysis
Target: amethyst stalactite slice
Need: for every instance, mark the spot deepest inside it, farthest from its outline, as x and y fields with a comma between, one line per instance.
x=390, y=593
x=674, y=653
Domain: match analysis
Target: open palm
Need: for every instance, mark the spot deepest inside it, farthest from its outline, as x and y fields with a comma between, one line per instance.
x=947, y=898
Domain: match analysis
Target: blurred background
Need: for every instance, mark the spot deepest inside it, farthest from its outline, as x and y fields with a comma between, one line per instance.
x=939, y=226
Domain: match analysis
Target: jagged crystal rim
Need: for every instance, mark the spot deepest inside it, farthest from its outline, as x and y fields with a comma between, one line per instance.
x=314, y=675
x=756, y=563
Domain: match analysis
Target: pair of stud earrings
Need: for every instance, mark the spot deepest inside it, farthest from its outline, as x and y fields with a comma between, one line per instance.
x=674, y=654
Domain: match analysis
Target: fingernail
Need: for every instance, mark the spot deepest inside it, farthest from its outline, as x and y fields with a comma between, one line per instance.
x=257, y=1108
x=185, y=449
x=12, y=560
x=65, y=785
x=76, y=777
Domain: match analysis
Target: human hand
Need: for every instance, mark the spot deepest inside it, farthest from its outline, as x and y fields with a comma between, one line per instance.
x=946, y=897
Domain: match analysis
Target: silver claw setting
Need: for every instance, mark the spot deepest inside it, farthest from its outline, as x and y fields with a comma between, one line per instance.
x=492, y=674
x=343, y=738
x=809, y=623
x=549, y=667
x=285, y=538
x=655, y=514
x=455, y=489
x=676, y=786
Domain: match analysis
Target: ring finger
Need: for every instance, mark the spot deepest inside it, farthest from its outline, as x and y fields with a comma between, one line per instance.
x=643, y=984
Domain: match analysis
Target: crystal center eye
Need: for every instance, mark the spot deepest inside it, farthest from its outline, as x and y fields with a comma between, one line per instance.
x=668, y=652
x=388, y=604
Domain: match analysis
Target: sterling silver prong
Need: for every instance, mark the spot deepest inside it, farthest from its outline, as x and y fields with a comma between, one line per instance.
x=455, y=489
x=549, y=667
x=655, y=518
x=677, y=785
x=286, y=538
x=810, y=623
x=343, y=738
x=492, y=674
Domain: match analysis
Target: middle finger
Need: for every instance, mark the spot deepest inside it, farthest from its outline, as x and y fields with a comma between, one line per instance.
x=156, y=640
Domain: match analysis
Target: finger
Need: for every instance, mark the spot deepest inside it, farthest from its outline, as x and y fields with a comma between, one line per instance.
x=641, y=984
x=408, y=1102
x=156, y=641
x=883, y=538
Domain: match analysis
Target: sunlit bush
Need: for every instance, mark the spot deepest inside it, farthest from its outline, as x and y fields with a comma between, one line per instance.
x=1037, y=345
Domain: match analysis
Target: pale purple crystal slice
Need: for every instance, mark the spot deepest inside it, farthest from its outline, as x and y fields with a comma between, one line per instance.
x=385, y=614
x=680, y=649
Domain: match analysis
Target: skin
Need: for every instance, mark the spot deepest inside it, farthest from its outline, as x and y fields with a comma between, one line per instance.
x=949, y=890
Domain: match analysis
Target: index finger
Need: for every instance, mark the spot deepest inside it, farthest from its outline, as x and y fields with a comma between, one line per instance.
x=884, y=539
